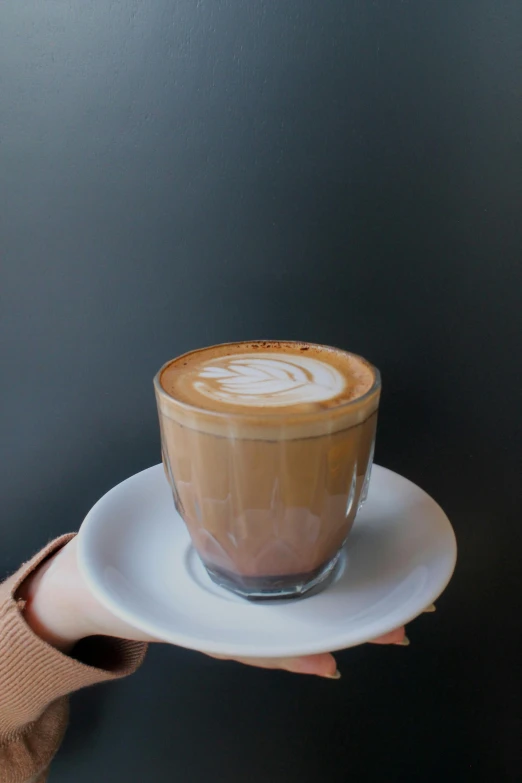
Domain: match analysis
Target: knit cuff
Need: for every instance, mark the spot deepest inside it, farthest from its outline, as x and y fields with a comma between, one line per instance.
x=33, y=674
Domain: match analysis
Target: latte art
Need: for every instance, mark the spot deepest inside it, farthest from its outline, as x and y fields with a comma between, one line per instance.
x=268, y=379
x=271, y=377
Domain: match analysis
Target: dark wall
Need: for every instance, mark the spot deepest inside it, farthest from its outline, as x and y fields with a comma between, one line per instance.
x=180, y=173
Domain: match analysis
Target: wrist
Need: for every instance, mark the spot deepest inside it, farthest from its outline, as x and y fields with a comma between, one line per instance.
x=60, y=608
x=52, y=602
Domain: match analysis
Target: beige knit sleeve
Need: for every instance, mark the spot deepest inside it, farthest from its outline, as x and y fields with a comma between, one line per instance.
x=35, y=680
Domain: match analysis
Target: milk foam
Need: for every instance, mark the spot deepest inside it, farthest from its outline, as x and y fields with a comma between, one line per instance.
x=268, y=379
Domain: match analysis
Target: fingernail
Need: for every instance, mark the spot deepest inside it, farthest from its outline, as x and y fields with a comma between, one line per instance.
x=431, y=608
x=404, y=642
x=335, y=676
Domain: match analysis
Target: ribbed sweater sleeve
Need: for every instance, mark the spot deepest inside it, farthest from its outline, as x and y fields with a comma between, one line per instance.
x=35, y=680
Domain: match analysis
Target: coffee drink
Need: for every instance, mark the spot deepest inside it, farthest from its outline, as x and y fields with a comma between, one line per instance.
x=268, y=448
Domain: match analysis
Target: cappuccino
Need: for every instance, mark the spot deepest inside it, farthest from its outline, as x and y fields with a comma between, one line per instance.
x=268, y=448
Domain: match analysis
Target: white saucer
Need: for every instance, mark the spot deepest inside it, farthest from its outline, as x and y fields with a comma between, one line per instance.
x=135, y=553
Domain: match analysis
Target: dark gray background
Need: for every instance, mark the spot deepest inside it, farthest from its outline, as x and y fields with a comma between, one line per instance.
x=182, y=172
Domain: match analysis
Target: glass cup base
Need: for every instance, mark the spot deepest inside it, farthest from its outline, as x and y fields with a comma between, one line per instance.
x=263, y=588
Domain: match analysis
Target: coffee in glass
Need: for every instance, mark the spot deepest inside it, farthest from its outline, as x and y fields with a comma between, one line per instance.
x=268, y=449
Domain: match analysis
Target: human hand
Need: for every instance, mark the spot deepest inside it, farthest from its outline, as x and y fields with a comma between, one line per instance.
x=60, y=608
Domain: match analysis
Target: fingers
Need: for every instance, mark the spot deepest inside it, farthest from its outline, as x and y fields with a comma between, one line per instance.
x=399, y=635
x=394, y=637
x=322, y=665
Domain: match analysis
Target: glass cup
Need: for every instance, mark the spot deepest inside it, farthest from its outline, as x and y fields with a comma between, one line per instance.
x=268, y=497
